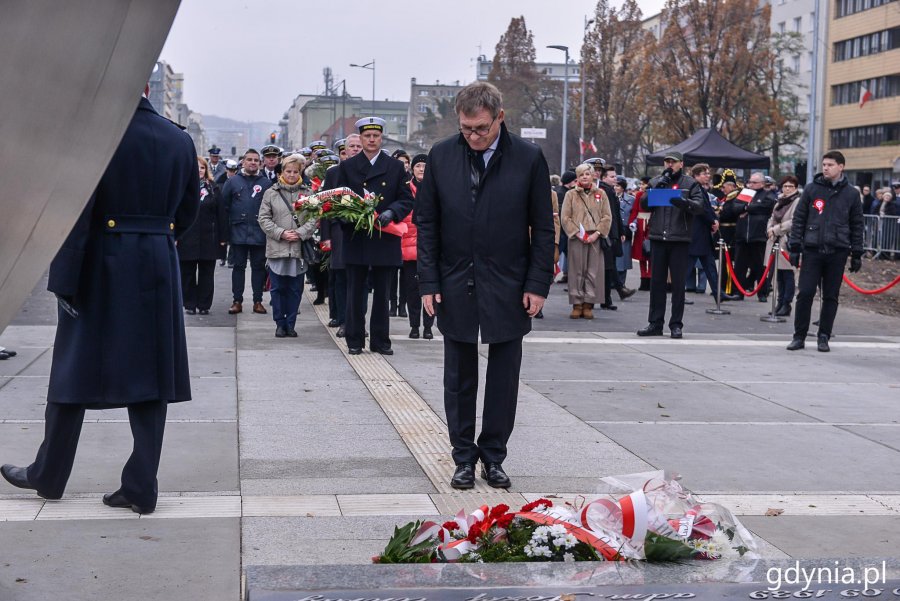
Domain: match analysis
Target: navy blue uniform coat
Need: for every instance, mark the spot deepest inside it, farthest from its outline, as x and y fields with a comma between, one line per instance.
x=482, y=247
x=388, y=178
x=128, y=344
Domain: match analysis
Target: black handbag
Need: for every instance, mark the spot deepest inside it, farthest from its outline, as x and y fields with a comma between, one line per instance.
x=605, y=244
x=646, y=247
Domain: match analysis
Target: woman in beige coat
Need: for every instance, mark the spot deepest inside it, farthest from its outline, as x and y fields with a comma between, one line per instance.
x=285, y=233
x=777, y=230
x=586, y=218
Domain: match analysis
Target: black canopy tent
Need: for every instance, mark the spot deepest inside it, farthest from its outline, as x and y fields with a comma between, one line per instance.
x=708, y=146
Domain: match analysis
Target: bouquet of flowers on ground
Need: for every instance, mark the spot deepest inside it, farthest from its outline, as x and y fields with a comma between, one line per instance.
x=656, y=521
x=349, y=207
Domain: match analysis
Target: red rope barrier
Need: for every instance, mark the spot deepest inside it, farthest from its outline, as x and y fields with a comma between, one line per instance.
x=847, y=281
x=876, y=290
x=762, y=280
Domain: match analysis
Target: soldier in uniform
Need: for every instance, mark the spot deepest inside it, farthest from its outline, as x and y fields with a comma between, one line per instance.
x=271, y=162
x=216, y=166
x=120, y=340
x=372, y=171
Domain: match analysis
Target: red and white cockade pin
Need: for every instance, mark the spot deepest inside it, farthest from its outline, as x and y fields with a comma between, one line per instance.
x=819, y=204
x=256, y=190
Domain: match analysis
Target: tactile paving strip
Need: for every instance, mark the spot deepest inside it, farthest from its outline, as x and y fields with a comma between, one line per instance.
x=423, y=432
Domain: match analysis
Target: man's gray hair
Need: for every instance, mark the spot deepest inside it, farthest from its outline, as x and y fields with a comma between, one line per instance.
x=477, y=96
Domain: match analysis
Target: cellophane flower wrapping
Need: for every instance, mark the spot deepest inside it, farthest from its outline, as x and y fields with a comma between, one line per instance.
x=654, y=519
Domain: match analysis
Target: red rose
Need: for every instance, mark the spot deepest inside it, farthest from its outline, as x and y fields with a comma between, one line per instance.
x=326, y=207
x=475, y=532
x=298, y=205
x=451, y=526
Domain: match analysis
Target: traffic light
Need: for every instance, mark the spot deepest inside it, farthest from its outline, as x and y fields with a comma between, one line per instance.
x=234, y=151
x=272, y=138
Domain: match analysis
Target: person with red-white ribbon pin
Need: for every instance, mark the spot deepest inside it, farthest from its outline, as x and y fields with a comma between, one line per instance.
x=826, y=229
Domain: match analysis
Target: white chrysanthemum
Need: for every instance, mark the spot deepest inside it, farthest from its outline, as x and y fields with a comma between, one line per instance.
x=568, y=557
x=540, y=534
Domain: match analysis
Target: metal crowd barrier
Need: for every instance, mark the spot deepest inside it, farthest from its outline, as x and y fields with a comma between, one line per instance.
x=881, y=235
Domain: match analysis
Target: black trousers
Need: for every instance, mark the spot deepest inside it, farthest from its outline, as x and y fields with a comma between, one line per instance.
x=337, y=295
x=396, y=288
x=669, y=259
x=409, y=285
x=51, y=468
x=501, y=391
x=708, y=263
x=749, y=264
x=819, y=268
x=379, y=322
x=321, y=279
x=198, y=283
x=257, y=255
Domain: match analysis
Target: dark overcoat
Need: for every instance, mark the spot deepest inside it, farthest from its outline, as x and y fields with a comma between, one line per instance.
x=616, y=228
x=120, y=268
x=331, y=229
x=242, y=195
x=203, y=240
x=482, y=245
x=701, y=233
x=387, y=178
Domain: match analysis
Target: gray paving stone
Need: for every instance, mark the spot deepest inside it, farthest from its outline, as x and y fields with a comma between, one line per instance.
x=829, y=536
x=874, y=402
x=585, y=364
x=289, y=441
x=209, y=337
x=308, y=384
x=887, y=436
x=315, y=410
x=762, y=458
x=176, y=560
x=633, y=401
x=15, y=337
x=28, y=361
x=274, y=541
x=196, y=457
x=379, y=480
x=211, y=362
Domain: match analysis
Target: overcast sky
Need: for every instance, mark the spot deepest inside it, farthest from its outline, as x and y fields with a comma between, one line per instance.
x=248, y=60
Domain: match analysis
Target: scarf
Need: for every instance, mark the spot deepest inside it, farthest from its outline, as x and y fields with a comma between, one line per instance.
x=782, y=206
x=283, y=185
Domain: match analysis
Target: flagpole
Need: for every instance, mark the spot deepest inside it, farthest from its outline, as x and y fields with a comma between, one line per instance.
x=811, y=159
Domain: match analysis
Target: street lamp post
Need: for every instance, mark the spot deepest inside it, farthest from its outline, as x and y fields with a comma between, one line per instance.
x=562, y=166
x=587, y=24
x=371, y=67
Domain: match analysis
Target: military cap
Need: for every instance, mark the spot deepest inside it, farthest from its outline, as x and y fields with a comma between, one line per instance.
x=341, y=144
x=306, y=151
x=370, y=123
x=317, y=145
x=596, y=161
x=728, y=176
x=214, y=151
x=231, y=165
x=271, y=149
x=329, y=159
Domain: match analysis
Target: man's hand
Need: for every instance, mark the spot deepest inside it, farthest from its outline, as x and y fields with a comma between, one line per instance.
x=385, y=218
x=855, y=263
x=428, y=301
x=532, y=303
x=794, y=259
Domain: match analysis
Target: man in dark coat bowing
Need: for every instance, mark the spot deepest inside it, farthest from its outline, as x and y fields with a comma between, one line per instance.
x=485, y=252
x=120, y=341
x=372, y=171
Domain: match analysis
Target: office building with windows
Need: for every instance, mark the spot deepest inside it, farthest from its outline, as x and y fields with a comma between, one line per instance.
x=862, y=112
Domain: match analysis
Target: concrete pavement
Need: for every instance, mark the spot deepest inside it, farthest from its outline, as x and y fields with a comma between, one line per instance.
x=294, y=453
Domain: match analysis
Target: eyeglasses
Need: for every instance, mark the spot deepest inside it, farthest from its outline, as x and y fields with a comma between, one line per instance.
x=788, y=186
x=754, y=182
x=480, y=131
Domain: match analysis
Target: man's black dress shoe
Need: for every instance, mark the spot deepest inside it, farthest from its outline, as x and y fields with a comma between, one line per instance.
x=280, y=332
x=203, y=311
x=117, y=499
x=383, y=351
x=333, y=323
x=340, y=333
x=650, y=330
x=796, y=344
x=688, y=301
x=464, y=476
x=354, y=351
x=401, y=312
x=191, y=311
x=427, y=334
x=608, y=306
x=414, y=333
x=292, y=333
x=18, y=477
x=675, y=332
x=823, y=343
x=495, y=476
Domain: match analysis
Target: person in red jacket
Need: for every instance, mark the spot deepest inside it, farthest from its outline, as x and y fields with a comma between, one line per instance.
x=638, y=221
x=409, y=279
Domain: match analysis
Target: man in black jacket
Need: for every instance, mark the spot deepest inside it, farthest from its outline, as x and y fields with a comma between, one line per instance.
x=670, y=236
x=827, y=228
x=372, y=171
x=750, y=236
x=485, y=252
x=608, y=179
